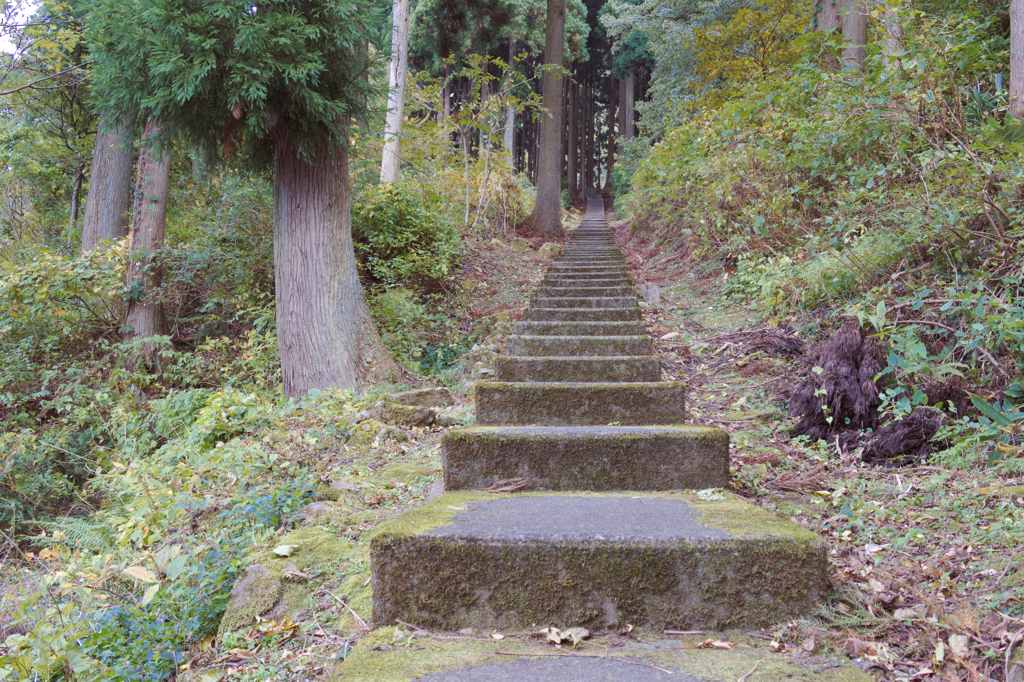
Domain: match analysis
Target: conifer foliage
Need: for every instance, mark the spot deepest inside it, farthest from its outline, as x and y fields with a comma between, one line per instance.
x=278, y=83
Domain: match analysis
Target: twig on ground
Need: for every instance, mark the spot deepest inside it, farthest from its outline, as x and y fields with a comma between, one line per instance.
x=508, y=485
x=683, y=632
x=752, y=670
x=359, y=621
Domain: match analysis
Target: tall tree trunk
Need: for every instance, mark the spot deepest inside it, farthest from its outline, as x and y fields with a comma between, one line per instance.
x=1017, y=58
x=573, y=142
x=324, y=329
x=509, y=137
x=826, y=15
x=855, y=33
x=145, y=316
x=547, y=210
x=613, y=91
x=590, y=135
x=392, y=161
x=894, y=43
x=110, y=185
x=76, y=195
x=630, y=106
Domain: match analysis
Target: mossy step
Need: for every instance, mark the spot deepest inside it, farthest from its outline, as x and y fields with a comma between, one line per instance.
x=587, y=368
x=619, y=281
x=387, y=654
x=559, y=292
x=580, y=268
x=596, y=560
x=579, y=404
x=587, y=457
x=548, y=346
x=581, y=278
x=583, y=301
x=536, y=314
x=588, y=259
x=581, y=328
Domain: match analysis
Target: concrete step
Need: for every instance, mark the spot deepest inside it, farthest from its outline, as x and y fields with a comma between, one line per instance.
x=602, y=368
x=577, y=291
x=596, y=560
x=548, y=346
x=582, y=314
x=579, y=404
x=582, y=278
x=587, y=259
x=583, y=302
x=581, y=328
x=584, y=268
x=591, y=282
x=587, y=457
x=382, y=654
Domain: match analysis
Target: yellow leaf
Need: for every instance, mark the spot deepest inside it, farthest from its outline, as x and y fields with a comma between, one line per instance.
x=141, y=573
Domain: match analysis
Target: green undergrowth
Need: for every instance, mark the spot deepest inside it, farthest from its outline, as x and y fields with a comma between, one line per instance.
x=829, y=193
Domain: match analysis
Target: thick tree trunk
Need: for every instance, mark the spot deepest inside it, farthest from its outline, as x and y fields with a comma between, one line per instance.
x=547, y=210
x=622, y=113
x=1017, y=58
x=573, y=143
x=324, y=329
x=826, y=15
x=613, y=90
x=392, y=161
x=110, y=185
x=630, y=106
x=144, y=317
x=855, y=33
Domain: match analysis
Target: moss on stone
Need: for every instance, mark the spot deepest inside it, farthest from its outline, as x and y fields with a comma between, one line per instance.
x=383, y=657
x=769, y=572
x=275, y=588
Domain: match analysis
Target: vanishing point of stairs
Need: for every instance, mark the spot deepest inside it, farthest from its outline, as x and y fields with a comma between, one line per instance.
x=623, y=521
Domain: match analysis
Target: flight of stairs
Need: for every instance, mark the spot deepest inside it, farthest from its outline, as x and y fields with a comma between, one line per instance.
x=624, y=519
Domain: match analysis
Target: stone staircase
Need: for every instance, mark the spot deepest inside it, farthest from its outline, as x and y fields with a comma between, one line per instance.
x=624, y=520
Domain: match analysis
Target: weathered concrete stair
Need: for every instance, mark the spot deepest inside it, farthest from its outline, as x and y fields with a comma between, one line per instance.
x=578, y=410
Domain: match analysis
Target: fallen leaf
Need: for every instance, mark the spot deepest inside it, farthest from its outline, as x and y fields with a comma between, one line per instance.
x=670, y=336
x=711, y=494
x=141, y=573
x=876, y=586
x=958, y=645
x=495, y=635
x=627, y=628
x=860, y=647
x=940, y=652
x=905, y=613
x=285, y=550
x=576, y=635
x=553, y=635
x=713, y=644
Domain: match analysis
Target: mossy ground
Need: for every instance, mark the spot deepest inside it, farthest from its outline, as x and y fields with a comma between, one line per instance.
x=394, y=655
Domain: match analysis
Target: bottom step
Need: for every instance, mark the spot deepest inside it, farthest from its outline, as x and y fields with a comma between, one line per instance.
x=389, y=655
x=660, y=561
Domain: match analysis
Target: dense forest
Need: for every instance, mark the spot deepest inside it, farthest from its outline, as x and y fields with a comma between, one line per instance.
x=227, y=229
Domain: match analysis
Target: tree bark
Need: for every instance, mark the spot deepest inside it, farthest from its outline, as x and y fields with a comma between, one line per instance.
x=324, y=329
x=1017, y=58
x=855, y=33
x=589, y=153
x=391, y=163
x=613, y=90
x=894, y=43
x=144, y=317
x=630, y=105
x=110, y=185
x=547, y=210
x=573, y=144
x=509, y=137
x=826, y=15
x=76, y=195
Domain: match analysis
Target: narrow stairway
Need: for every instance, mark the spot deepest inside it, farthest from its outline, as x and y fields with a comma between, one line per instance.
x=624, y=520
